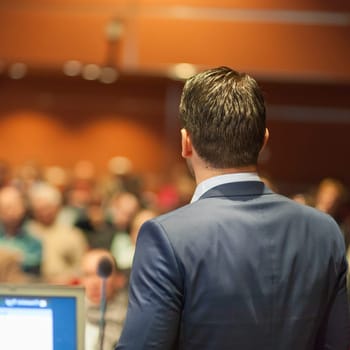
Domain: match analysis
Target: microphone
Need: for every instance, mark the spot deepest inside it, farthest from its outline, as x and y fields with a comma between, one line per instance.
x=104, y=270
x=105, y=267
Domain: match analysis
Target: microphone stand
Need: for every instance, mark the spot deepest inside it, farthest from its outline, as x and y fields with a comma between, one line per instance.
x=104, y=270
x=103, y=311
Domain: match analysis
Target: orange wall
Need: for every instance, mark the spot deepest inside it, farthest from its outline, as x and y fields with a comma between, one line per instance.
x=45, y=138
x=60, y=121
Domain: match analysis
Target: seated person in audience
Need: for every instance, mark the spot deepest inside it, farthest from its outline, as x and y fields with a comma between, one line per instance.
x=27, y=174
x=126, y=253
x=331, y=196
x=301, y=198
x=14, y=234
x=116, y=296
x=63, y=245
x=93, y=222
x=11, y=267
x=122, y=209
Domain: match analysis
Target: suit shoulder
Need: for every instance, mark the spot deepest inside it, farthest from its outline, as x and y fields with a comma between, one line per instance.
x=178, y=221
x=318, y=219
x=181, y=216
x=174, y=213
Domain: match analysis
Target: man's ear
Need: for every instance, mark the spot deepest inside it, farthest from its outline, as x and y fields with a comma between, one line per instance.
x=186, y=144
x=266, y=138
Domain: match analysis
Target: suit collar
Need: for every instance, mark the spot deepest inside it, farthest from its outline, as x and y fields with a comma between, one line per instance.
x=218, y=180
x=237, y=189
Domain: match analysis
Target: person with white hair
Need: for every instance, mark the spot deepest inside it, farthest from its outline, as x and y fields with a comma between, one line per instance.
x=63, y=245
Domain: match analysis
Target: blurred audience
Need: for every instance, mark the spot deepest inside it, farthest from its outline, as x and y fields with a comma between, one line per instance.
x=14, y=234
x=123, y=249
x=120, y=177
x=116, y=297
x=122, y=209
x=10, y=267
x=177, y=189
x=78, y=192
x=331, y=197
x=50, y=217
x=303, y=198
x=93, y=221
x=27, y=174
x=63, y=245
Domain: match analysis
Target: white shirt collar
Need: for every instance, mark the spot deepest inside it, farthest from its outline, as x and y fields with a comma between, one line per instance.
x=214, y=181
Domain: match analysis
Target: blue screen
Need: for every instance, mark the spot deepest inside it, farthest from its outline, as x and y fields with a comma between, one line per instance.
x=39, y=322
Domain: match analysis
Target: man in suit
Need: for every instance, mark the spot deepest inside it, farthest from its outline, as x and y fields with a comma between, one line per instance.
x=240, y=267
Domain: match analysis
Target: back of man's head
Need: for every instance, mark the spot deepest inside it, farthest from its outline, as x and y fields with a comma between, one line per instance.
x=224, y=113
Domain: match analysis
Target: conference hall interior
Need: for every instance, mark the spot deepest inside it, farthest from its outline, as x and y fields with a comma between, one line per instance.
x=89, y=128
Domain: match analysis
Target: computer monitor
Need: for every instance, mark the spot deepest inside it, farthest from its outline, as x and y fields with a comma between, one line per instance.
x=41, y=317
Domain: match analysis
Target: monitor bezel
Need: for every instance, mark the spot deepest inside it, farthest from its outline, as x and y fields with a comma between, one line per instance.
x=49, y=290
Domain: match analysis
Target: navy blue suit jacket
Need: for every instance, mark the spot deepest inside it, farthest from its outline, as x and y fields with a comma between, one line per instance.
x=242, y=268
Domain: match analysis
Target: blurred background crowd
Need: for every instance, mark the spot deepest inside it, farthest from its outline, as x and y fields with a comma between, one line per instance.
x=51, y=216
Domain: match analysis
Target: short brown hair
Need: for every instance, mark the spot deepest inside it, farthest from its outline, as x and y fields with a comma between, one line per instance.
x=224, y=114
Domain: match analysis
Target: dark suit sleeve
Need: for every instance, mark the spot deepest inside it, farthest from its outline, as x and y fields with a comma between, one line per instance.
x=334, y=333
x=155, y=294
